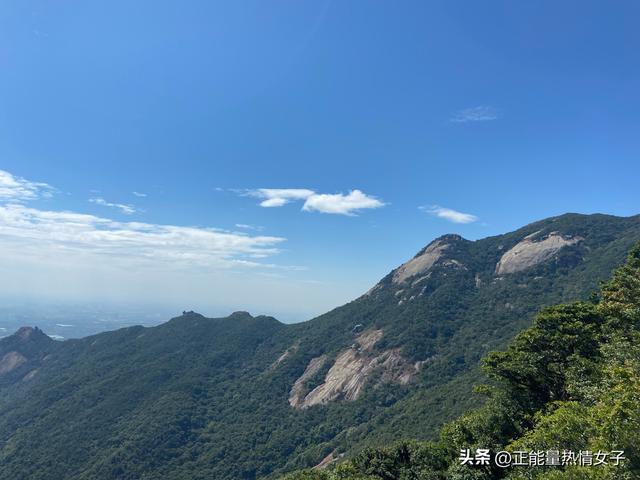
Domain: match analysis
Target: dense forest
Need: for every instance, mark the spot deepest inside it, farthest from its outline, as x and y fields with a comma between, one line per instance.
x=569, y=385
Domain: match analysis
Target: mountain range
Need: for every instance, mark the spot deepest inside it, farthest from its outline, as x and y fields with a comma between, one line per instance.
x=248, y=397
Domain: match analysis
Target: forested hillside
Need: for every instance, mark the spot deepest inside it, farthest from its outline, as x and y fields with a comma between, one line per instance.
x=570, y=384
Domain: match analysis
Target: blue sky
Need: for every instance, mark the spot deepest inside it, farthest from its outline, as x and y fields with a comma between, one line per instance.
x=169, y=126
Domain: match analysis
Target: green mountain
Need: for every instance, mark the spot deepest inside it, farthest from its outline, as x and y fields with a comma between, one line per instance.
x=21, y=355
x=247, y=397
x=564, y=403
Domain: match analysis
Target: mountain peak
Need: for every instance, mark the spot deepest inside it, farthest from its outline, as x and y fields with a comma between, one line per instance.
x=426, y=258
x=23, y=350
x=449, y=237
x=446, y=239
x=25, y=334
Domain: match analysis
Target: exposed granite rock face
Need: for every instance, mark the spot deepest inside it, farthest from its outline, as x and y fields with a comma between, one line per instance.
x=351, y=370
x=530, y=252
x=296, y=395
x=368, y=339
x=11, y=361
x=328, y=460
x=345, y=379
x=421, y=263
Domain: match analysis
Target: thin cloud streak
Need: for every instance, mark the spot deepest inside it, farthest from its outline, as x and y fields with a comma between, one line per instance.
x=482, y=113
x=29, y=230
x=126, y=209
x=449, y=214
x=246, y=226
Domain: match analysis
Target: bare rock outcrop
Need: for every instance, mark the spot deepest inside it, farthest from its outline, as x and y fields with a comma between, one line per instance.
x=351, y=371
x=421, y=263
x=296, y=395
x=328, y=460
x=530, y=252
x=11, y=361
x=345, y=379
x=368, y=339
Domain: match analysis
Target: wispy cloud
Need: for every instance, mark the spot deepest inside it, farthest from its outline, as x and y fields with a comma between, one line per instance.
x=139, y=194
x=482, y=113
x=41, y=232
x=449, y=214
x=19, y=189
x=246, y=226
x=126, y=209
x=336, y=203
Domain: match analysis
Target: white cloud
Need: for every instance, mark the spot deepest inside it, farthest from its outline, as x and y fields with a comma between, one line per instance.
x=18, y=189
x=31, y=232
x=139, y=194
x=126, y=209
x=449, y=214
x=337, y=203
x=277, y=197
x=246, y=226
x=482, y=113
x=342, y=204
